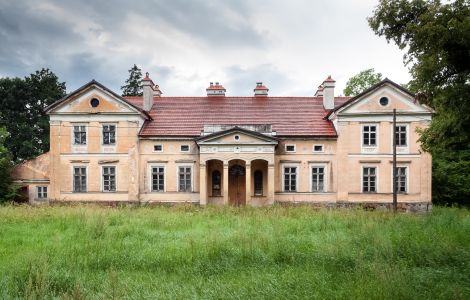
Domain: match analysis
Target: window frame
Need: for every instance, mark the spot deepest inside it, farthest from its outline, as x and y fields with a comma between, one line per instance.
x=151, y=167
x=103, y=134
x=363, y=167
x=102, y=179
x=406, y=167
x=289, y=145
x=158, y=151
x=86, y=179
x=185, y=151
x=325, y=176
x=40, y=195
x=212, y=184
x=191, y=189
x=376, y=135
x=254, y=183
x=322, y=148
x=73, y=134
x=284, y=166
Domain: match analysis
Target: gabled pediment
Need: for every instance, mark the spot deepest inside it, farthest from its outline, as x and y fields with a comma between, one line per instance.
x=236, y=136
x=382, y=98
x=81, y=100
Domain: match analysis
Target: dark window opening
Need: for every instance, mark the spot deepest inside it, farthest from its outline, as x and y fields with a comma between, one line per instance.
x=94, y=102
x=216, y=179
x=383, y=101
x=258, y=183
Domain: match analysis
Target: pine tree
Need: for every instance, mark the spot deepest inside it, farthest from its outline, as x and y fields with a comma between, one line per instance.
x=133, y=85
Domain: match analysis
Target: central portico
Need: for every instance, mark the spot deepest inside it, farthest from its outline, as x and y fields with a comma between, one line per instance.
x=237, y=165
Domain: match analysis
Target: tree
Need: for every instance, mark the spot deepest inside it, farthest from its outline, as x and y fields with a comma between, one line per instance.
x=436, y=38
x=23, y=102
x=362, y=81
x=133, y=86
x=7, y=189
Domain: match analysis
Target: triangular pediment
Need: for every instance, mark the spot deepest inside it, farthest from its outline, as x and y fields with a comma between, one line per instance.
x=81, y=102
x=383, y=98
x=236, y=136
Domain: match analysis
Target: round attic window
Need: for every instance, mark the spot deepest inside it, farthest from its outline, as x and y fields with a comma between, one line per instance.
x=237, y=137
x=94, y=102
x=383, y=101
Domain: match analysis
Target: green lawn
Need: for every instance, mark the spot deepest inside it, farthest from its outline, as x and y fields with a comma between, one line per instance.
x=189, y=252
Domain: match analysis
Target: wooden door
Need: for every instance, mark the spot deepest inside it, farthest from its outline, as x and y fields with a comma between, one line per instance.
x=236, y=186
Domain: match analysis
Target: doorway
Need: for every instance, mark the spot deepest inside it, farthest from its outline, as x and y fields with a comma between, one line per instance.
x=236, y=185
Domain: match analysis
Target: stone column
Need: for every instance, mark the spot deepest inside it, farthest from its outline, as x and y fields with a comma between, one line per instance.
x=202, y=184
x=225, y=183
x=271, y=185
x=248, y=184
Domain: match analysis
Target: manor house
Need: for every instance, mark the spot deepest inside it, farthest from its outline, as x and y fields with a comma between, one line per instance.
x=229, y=150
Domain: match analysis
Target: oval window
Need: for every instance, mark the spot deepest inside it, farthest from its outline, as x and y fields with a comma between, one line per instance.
x=383, y=101
x=237, y=137
x=94, y=102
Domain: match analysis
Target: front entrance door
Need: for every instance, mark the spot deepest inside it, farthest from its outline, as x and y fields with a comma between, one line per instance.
x=236, y=185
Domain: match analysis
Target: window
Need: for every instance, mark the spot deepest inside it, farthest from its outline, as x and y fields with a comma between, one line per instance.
x=79, y=179
x=41, y=192
x=401, y=180
x=290, y=179
x=184, y=148
x=236, y=137
x=318, y=179
x=369, y=179
x=94, y=102
x=216, y=179
x=184, y=177
x=369, y=135
x=109, y=134
x=79, y=135
x=317, y=148
x=258, y=183
x=109, y=179
x=290, y=148
x=158, y=179
x=383, y=101
x=158, y=148
x=400, y=135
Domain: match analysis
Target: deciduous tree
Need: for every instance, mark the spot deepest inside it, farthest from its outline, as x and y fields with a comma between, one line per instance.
x=362, y=81
x=436, y=38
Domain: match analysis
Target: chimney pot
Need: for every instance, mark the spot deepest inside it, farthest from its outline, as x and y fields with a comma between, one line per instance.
x=215, y=90
x=148, y=92
x=260, y=90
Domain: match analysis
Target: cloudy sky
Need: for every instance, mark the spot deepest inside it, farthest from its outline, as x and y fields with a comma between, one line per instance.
x=184, y=44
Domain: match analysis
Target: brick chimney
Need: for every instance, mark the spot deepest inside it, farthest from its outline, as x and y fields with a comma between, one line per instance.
x=148, y=91
x=215, y=90
x=329, y=93
x=319, y=92
x=260, y=90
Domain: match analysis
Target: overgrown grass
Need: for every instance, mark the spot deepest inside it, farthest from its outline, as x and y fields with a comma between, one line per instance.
x=188, y=252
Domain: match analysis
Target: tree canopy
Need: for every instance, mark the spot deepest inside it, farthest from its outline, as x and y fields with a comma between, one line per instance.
x=7, y=190
x=23, y=102
x=133, y=86
x=436, y=38
x=362, y=81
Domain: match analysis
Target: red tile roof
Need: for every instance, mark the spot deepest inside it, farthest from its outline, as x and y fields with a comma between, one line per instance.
x=289, y=116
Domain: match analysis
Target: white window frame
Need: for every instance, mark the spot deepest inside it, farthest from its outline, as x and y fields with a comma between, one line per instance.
x=407, y=172
x=288, y=145
x=73, y=134
x=86, y=179
x=102, y=178
x=370, y=148
x=322, y=148
x=400, y=149
x=376, y=178
x=157, y=151
x=189, y=148
x=325, y=176
x=42, y=187
x=151, y=166
x=115, y=134
x=178, y=166
x=297, y=166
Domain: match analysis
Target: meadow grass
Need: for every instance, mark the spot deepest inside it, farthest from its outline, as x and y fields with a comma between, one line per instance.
x=184, y=252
